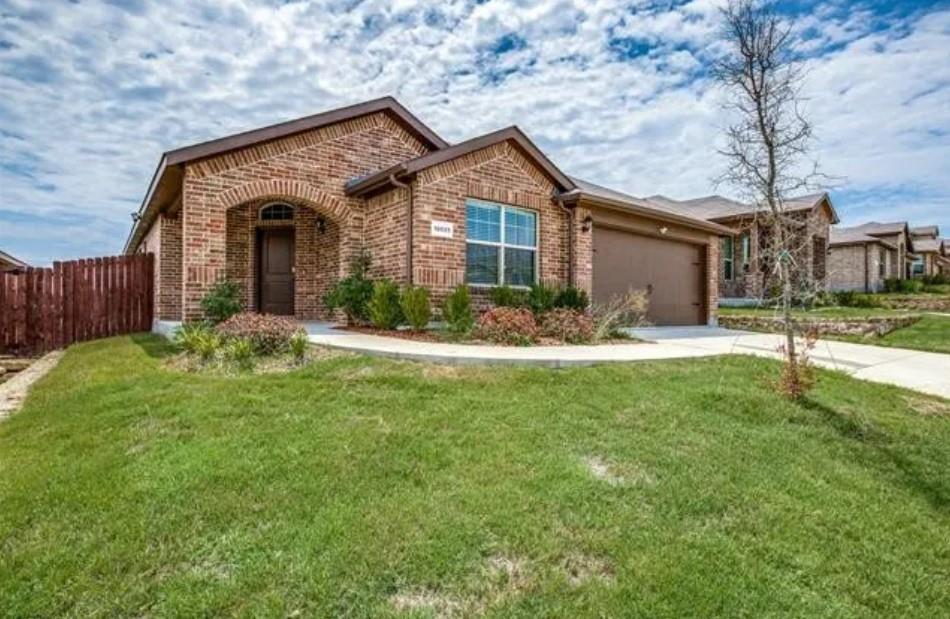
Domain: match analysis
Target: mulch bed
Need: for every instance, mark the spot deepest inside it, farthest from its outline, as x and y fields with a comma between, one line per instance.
x=436, y=337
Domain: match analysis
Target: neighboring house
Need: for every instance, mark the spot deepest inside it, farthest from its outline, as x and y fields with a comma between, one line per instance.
x=944, y=261
x=897, y=234
x=928, y=251
x=9, y=263
x=745, y=271
x=283, y=209
x=859, y=261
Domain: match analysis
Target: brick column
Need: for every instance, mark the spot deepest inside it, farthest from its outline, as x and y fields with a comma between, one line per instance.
x=203, y=244
x=712, y=281
x=583, y=251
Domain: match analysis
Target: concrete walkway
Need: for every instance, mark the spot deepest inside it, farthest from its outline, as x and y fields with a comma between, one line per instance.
x=923, y=371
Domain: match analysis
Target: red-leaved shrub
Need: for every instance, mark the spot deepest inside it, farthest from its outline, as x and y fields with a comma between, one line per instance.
x=567, y=325
x=268, y=334
x=508, y=325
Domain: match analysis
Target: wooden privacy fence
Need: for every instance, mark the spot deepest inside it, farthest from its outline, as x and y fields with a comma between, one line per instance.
x=43, y=309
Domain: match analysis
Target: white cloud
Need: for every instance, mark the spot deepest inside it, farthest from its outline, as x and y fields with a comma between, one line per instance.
x=93, y=92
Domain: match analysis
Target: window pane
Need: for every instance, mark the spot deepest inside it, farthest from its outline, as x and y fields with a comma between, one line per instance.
x=481, y=264
x=727, y=253
x=519, y=267
x=483, y=222
x=519, y=228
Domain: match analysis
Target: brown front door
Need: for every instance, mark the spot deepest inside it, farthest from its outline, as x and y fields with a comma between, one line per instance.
x=672, y=273
x=276, y=271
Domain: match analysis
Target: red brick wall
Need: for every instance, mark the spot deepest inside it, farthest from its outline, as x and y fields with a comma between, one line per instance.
x=164, y=241
x=385, y=230
x=496, y=173
x=308, y=170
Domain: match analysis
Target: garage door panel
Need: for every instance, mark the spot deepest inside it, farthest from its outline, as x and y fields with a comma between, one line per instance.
x=672, y=272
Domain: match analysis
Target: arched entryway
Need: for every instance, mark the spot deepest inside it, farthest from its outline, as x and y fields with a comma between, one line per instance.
x=284, y=256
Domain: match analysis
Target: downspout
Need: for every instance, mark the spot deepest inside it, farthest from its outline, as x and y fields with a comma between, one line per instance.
x=407, y=186
x=570, y=236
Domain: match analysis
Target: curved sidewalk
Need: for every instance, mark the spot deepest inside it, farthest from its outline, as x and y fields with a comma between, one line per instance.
x=922, y=371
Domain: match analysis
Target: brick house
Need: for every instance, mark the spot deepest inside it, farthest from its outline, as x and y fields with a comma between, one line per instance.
x=860, y=261
x=744, y=271
x=929, y=251
x=895, y=250
x=282, y=210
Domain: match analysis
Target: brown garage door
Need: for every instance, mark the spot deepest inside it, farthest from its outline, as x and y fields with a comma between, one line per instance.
x=672, y=273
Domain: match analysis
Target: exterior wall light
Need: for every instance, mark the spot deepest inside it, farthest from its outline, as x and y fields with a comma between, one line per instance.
x=321, y=225
x=587, y=223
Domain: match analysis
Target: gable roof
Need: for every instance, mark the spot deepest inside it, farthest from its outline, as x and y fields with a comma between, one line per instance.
x=928, y=245
x=931, y=231
x=852, y=236
x=167, y=177
x=383, y=178
x=6, y=258
x=875, y=228
x=610, y=197
x=721, y=209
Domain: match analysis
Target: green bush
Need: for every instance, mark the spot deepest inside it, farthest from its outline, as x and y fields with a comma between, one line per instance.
x=188, y=336
x=851, y=298
x=541, y=298
x=572, y=298
x=384, y=309
x=207, y=345
x=457, y=311
x=298, y=346
x=506, y=296
x=240, y=351
x=415, y=307
x=221, y=302
x=352, y=293
x=892, y=284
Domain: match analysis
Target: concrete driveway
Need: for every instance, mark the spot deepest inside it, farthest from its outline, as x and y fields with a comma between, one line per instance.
x=924, y=371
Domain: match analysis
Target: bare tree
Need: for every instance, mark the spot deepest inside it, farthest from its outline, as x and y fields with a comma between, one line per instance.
x=767, y=148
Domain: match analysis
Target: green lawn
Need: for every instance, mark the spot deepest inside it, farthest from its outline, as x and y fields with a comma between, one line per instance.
x=365, y=487
x=930, y=333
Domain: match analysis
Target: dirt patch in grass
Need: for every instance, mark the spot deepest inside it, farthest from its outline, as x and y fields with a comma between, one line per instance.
x=496, y=581
x=580, y=569
x=927, y=407
x=268, y=364
x=617, y=473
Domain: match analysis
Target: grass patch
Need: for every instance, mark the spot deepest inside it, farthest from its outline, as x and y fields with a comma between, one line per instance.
x=820, y=312
x=366, y=487
x=930, y=333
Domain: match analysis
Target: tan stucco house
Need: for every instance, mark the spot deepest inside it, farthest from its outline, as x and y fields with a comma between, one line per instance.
x=282, y=210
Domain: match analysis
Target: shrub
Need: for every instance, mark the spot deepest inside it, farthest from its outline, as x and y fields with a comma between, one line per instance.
x=384, y=308
x=207, y=344
x=541, y=298
x=508, y=325
x=506, y=296
x=188, y=335
x=850, y=298
x=568, y=325
x=267, y=334
x=221, y=302
x=626, y=310
x=352, y=293
x=457, y=311
x=573, y=298
x=241, y=352
x=892, y=284
x=298, y=346
x=414, y=302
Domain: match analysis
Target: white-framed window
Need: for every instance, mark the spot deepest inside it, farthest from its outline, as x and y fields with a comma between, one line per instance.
x=277, y=211
x=501, y=244
x=728, y=258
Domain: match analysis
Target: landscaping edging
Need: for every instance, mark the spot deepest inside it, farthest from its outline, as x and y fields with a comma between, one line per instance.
x=15, y=390
x=822, y=326
x=917, y=303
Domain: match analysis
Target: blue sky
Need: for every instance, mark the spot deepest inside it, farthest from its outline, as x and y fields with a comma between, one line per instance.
x=93, y=91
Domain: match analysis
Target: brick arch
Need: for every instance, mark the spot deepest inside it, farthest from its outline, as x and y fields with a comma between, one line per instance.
x=291, y=191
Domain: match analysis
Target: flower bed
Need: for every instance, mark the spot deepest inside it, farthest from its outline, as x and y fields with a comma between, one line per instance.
x=917, y=302
x=821, y=326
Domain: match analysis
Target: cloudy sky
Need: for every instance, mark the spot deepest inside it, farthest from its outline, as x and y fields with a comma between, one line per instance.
x=617, y=92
